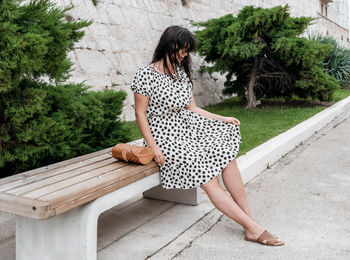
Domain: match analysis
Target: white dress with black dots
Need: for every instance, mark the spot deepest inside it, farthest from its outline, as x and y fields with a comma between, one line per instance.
x=195, y=148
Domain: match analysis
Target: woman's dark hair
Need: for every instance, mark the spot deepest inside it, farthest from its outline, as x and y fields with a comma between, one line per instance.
x=173, y=39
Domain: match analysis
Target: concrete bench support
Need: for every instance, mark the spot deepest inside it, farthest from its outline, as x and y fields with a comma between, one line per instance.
x=185, y=196
x=73, y=235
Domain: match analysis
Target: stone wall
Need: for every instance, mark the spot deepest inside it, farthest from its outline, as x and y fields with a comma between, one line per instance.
x=326, y=26
x=338, y=12
x=125, y=33
x=335, y=24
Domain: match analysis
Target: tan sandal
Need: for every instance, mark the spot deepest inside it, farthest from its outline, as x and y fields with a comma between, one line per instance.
x=266, y=239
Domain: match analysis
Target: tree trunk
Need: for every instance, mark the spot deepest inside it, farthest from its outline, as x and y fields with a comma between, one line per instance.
x=251, y=99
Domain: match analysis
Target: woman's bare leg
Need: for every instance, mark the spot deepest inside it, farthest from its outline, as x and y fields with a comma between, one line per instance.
x=233, y=182
x=223, y=202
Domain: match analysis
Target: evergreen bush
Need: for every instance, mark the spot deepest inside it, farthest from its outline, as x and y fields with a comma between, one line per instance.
x=337, y=63
x=45, y=122
x=262, y=47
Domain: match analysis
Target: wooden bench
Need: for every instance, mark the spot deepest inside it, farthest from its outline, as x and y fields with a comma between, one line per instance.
x=57, y=206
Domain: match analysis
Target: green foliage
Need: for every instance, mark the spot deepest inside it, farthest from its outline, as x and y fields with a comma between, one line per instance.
x=34, y=40
x=312, y=84
x=337, y=63
x=45, y=122
x=285, y=61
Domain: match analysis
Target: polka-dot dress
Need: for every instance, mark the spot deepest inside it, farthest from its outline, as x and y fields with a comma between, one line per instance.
x=195, y=148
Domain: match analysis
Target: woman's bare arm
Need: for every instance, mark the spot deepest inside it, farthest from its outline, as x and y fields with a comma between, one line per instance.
x=141, y=104
x=192, y=106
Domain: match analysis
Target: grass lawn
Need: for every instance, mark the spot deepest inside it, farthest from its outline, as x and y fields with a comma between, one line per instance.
x=270, y=119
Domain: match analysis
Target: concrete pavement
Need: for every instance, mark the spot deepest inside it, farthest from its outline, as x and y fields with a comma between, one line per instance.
x=303, y=198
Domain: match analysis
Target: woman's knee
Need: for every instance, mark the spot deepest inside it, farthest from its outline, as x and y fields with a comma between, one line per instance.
x=232, y=166
x=212, y=184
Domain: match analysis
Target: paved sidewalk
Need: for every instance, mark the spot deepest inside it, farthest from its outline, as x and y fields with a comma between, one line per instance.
x=304, y=199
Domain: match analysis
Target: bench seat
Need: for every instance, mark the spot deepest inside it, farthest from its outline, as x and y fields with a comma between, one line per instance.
x=46, y=193
x=57, y=206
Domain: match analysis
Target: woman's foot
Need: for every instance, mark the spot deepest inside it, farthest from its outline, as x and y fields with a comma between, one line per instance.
x=260, y=235
x=266, y=239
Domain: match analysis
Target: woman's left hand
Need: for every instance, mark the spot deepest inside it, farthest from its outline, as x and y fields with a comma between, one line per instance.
x=231, y=120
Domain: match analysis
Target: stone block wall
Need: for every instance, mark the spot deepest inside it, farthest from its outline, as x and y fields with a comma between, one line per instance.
x=326, y=26
x=125, y=33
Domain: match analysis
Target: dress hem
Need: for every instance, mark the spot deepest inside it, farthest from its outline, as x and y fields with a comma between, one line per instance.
x=216, y=174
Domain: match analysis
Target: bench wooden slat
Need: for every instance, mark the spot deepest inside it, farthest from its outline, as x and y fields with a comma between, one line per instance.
x=99, y=193
x=19, y=205
x=53, y=166
x=63, y=200
x=47, y=189
x=25, y=180
x=68, y=184
x=59, y=179
x=74, y=192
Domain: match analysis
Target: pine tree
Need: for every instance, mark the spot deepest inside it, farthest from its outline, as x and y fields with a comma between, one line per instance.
x=262, y=47
x=45, y=122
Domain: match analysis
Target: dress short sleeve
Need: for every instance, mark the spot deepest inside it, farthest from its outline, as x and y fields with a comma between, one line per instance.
x=141, y=83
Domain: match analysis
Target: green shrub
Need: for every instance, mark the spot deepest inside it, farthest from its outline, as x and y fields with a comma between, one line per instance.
x=45, y=122
x=34, y=41
x=262, y=47
x=337, y=63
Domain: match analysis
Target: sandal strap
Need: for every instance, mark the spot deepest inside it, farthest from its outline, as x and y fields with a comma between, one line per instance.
x=270, y=239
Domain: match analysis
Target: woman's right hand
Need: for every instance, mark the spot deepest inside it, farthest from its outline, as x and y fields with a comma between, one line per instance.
x=158, y=154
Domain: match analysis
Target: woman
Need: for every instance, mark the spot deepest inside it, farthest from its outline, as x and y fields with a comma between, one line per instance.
x=191, y=145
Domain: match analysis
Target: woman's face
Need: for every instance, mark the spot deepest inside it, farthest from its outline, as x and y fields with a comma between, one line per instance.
x=181, y=54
